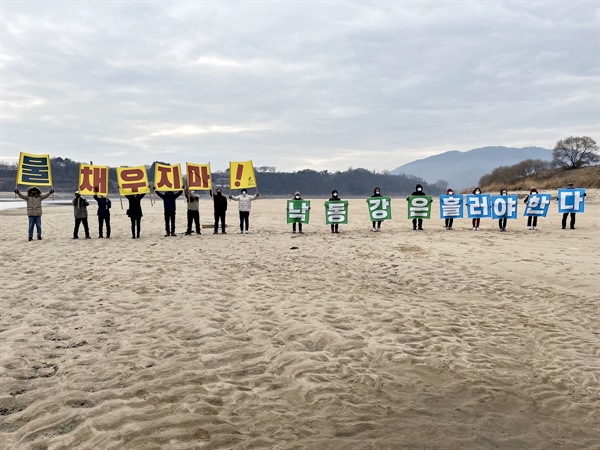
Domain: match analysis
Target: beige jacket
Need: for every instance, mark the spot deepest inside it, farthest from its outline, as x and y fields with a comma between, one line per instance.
x=34, y=204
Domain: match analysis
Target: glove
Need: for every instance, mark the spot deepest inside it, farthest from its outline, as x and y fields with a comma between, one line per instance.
x=257, y=194
x=52, y=191
x=16, y=191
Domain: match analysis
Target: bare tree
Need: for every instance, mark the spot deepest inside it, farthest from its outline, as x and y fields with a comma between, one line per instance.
x=575, y=152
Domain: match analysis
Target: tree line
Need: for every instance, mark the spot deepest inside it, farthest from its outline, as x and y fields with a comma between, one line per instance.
x=352, y=182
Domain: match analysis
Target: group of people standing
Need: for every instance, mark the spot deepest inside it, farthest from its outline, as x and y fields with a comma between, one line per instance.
x=35, y=197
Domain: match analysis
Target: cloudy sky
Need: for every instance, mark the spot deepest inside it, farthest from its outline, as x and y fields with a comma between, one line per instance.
x=321, y=85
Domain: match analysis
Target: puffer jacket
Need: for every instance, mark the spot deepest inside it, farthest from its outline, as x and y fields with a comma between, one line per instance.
x=80, y=205
x=34, y=204
x=244, y=200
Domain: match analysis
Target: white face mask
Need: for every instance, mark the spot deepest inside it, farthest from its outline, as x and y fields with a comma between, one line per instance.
x=419, y=189
x=450, y=193
x=297, y=197
x=335, y=195
x=477, y=192
x=377, y=192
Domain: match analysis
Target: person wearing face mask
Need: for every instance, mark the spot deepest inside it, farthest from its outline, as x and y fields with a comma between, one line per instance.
x=80, y=205
x=334, y=196
x=244, y=207
x=377, y=193
x=193, y=211
x=297, y=197
x=34, y=199
x=170, y=206
x=502, y=220
x=220, y=210
x=531, y=220
x=566, y=215
x=134, y=212
x=448, y=222
x=417, y=223
x=104, y=205
x=476, y=222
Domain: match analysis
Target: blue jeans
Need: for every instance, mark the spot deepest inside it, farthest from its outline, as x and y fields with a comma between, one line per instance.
x=37, y=221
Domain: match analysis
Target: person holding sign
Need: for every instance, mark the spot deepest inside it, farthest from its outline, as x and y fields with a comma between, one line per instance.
x=135, y=213
x=376, y=193
x=244, y=207
x=168, y=199
x=34, y=199
x=418, y=223
x=476, y=221
x=449, y=221
x=193, y=211
x=104, y=205
x=531, y=220
x=335, y=198
x=80, y=205
x=220, y=208
x=572, y=207
x=298, y=212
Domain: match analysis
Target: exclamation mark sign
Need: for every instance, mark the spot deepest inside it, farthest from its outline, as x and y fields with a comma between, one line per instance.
x=238, y=175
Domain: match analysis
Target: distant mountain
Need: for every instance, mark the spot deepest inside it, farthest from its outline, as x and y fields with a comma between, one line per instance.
x=464, y=169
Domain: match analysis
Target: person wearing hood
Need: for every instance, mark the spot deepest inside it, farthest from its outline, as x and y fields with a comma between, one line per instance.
x=417, y=223
x=193, y=211
x=80, y=205
x=220, y=208
x=297, y=196
x=34, y=199
x=334, y=196
x=566, y=215
x=170, y=206
x=104, y=205
x=476, y=222
x=377, y=193
x=448, y=222
x=531, y=220
x=244, y=207
x=502, y=220
x=135, y=213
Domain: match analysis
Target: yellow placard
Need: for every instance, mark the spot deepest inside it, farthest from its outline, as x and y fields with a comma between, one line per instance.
x=167, y=178
x=241, y=175
x=93, y=180
x=133, y=180
x=34, y=170
x=198, y=176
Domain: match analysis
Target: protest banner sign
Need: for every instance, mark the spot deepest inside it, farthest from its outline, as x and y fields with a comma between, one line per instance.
x=336, y=212
x=479, y=206
x=198, y=176
x=504, y=206
x=167, y=177
x=34, y=170
x=451, y=206
x=571, y=200
x=298, y=211
x=419, y=207
x=133, y=180
x=241, y=175
x=380, y=208
x=93, y=180
x=537, y=205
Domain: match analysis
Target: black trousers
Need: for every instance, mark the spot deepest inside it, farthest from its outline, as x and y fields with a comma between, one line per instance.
x=502, y=223
x=564, y=220
x=220, y=216
x=419, y=222
x=170, y=220
x=101, y=221
x=244, y=220
x=193, y=216
x=532, y=221
x=85, y=227
x=334, y=227
x=299, y=227
x=475, y=222
x=448, y=223
x=136, y=223
x=378, y=224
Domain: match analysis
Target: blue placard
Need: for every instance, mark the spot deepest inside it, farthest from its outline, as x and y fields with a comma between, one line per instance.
x=571, y=200
x=479, y=206
x=451, y=206
x=504, y=206
x=537, y=205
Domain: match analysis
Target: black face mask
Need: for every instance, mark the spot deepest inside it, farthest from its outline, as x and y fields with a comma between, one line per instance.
x=218, y=193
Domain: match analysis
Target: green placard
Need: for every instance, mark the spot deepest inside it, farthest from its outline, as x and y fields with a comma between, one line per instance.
x=419, y=206
x=380, y=208
x=298, y=211
x=336, y=212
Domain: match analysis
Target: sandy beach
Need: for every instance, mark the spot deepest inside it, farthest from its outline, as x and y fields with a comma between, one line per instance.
x=394, y=340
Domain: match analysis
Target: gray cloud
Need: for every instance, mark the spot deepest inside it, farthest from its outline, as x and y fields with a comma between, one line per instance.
x=294, y=85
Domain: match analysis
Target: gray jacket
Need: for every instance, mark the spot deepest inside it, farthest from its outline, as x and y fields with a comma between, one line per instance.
x=80, y=207
x=244, y=201
x=34, y=204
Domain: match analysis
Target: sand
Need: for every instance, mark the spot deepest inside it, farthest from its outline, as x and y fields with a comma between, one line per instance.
x=400, y=339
